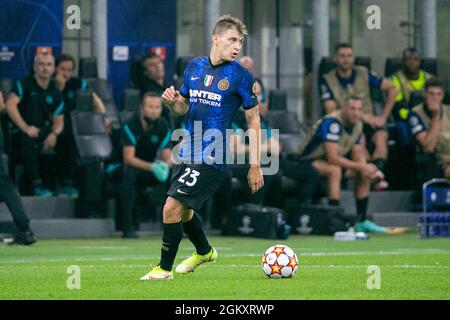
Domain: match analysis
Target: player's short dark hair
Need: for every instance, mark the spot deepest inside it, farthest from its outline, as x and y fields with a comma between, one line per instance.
x=150, y=55
x=65, y=57
x=342, y=45
x=411, y=50
x=434, y=82
x=227, y=22
x=149, y=94
x=353, y=97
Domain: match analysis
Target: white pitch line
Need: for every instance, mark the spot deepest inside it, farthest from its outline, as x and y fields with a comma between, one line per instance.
x=130, y=266
x=101, y=247
x=304, y=254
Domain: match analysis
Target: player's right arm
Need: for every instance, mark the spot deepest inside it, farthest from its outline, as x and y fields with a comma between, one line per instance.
x=428, y=138
x=130, y=159
x=330, y=132
x=2, y=102
x=12, y=108
x=333, y=157
x=326, y=96
x=255, y=178
x=176, y=103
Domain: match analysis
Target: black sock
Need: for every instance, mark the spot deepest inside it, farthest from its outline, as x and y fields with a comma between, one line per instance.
x=361, y=208
x=195, y=233
x=172, y=235
x=380, y=164
x=334, y=202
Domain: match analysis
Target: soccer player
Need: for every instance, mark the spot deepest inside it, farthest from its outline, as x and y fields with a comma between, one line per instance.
x=334, y=145
x=213, y=89
x=66, y=149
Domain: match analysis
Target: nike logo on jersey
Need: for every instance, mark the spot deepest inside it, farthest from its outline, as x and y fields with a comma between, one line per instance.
x=195, y=78
x=182, y=192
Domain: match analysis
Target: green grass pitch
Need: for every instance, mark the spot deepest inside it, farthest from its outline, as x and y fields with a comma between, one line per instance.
x=110, y=269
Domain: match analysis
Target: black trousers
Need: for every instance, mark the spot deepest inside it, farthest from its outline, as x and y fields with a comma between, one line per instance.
x=270, y=194
x=10, y=195
x=133, y=180
x=30, y=149
x=272, y=183
x=305, y=174
x=66, y=156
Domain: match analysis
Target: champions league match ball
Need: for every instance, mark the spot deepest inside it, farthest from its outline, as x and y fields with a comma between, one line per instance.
x=279, y=261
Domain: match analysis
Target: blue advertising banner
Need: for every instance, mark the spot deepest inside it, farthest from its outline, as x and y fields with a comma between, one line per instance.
x=135, y=28
x=25, y=26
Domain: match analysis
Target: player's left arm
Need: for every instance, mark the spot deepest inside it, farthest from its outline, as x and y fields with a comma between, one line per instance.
x=97, y=104
x=2, y=102
x=165, y=145
x=58, y=115
x=255, y=177
x=99, y=107
x=166, y=156
x=57, y=129
x=391, y=93
x=57, y=122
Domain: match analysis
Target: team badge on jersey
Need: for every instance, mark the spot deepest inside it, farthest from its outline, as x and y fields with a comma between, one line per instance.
x=208, y=80
x=224, y=84
x=254, y=88
x=334, y=128
x=413, y=121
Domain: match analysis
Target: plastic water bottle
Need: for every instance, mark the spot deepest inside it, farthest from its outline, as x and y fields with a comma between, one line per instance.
x=350, y=236
x=8, y=241
x=361, y=236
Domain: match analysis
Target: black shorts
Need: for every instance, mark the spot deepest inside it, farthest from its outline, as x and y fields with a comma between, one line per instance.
x=369, y=132
x=193, y=184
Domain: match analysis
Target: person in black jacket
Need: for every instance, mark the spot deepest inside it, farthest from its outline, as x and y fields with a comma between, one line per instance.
x=144, y=135
x=153, y=80
x=36, y=107
x=11, y=197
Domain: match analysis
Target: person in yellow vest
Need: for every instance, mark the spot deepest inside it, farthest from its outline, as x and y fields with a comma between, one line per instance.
x=349, y=80
x=430, y=124
x=408, y=80
x=334, y=145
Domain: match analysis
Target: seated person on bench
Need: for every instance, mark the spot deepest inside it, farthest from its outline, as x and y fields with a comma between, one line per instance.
x=144, y=135
x=334, y=145
x=430, y=124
